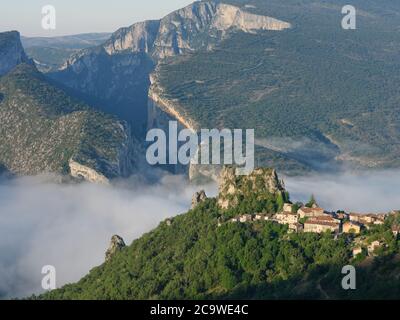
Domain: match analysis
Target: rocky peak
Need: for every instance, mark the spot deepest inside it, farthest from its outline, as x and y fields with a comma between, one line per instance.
x=196, y=26
x=139, y=37
x=198, y=198
x=260, y=182
x=116, y=244
x=203, y=24
x=11, y=52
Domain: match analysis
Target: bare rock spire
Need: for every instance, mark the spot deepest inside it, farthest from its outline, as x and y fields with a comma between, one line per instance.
x=198, y=197
x=116, y=244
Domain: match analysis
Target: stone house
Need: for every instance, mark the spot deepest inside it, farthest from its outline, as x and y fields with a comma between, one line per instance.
x=246, y=218
x=287, y=207
x=342, y=215
x=268, y=216
x=395, y=230
x=296, y=227
x=357, y=251
x=367, y=218
x=287, y=217
x=310, y=212
x=320, y=226
x=373, y=246
x=351, y=227
x=326, y=218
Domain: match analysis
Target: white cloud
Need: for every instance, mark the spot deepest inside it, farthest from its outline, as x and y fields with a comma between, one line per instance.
x=373, y=191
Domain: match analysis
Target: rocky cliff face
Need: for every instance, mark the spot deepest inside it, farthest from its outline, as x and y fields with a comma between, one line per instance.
x=116, y=244
x=45, y=130
x=160, y=108
x=194, y=27
x=198, y=198
x=233, y=188
x=117, y=72
x=139, y=37
x=204, y=24
x=115, y=81
x=11, y=52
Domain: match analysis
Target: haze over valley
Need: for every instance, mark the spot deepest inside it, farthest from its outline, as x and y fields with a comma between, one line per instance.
x=324, y=104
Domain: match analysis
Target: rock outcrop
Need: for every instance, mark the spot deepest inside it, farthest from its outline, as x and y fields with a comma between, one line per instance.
x=180, y=31
x=139, y=37
x=261, y=182
x=204, y=24
x=198, y=198
x=116, y=244
x=11, y=52
x=80, y=171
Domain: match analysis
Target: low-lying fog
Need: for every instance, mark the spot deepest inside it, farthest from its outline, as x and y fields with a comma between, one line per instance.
x=368, y=192
x=70, y=226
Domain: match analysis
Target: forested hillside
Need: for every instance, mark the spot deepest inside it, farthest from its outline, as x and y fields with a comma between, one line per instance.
x=314, y=92
x=203, y=255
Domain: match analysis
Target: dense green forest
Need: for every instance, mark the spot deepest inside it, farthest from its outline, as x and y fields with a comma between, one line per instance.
x=191, y=257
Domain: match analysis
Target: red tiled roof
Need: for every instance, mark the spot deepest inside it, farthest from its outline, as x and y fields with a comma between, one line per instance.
x=310, y=210
x=322, y=223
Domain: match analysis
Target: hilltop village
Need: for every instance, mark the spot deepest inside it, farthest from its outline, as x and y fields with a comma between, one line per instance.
x=263, y=187
x=316, y=219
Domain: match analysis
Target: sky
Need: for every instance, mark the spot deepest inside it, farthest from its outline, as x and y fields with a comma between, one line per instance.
x=77, y=16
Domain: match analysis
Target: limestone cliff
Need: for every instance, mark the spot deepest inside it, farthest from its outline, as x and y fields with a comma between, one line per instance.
x=193, y=27
x=117, y=73
x=261, y=182
x=122, y=72
x=116, y=244
x=78, y=170
x=158, y=104
x=204, y=24
x=198, y=198
x=43, y=129
x=11, y=52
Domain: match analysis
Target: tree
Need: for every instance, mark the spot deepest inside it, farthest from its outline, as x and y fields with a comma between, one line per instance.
x=280, y=202
x=311, y=202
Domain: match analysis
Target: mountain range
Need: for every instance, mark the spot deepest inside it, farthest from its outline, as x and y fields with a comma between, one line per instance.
x=50, y=53
x=44, y=130
x=319, y=98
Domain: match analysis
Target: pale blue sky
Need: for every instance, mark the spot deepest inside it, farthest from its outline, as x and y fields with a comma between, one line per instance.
x=81, y=16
